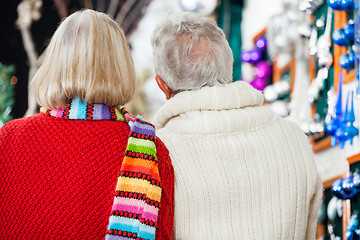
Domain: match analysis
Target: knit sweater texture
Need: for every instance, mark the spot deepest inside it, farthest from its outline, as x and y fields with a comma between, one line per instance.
x=58, y=178
x=241, y=172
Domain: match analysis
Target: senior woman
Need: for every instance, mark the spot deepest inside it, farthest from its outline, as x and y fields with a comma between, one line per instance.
x=61, y=168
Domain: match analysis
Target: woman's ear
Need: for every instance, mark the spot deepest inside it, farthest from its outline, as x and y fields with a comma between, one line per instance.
x=164, y=87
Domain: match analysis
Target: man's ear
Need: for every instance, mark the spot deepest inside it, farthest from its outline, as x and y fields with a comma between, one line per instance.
x=164, y=87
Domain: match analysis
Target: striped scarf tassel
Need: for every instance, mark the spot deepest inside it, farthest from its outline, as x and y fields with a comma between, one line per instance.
x=135, y=209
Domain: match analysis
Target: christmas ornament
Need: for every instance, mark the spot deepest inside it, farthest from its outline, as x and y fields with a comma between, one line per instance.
x=325, y=58
x=349, y=30
x=347, y=61
x=334, y=123
x=251, y=56
x=332, y=212
x=330, y=115
x=340, y=38
x=259, y=84
x=263, y=70
x=260, y=43
x=356, y=180
x=348, y=187
x=280, y=108
x=337, y=188
x=335, y=4
x=350, y=130
x=339, y=5
x=347, y=5
x=344, y=188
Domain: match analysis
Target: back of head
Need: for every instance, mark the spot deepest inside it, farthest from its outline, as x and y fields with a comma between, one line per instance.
x=89, y=57
x=191, y=51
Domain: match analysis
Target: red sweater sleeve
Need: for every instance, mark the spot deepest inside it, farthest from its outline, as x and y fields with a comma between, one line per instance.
x=166, y=213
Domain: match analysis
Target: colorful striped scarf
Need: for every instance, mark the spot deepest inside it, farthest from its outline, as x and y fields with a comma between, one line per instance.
x=135, y=209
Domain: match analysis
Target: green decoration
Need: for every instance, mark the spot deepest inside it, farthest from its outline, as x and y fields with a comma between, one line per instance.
x=7, y=98
x=229, y=19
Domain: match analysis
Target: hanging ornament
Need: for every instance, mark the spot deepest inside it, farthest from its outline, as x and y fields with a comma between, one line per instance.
x=357, y=45
x=348, y=187
x=347, y=5
x=310, y=6
x=332, y=212
x=339, y=5
x=340, y=133
x=280, y=108
x=316, y=127
x=263, y=70
x=334, y=122
x=356, y=180
x=346, y=130
x=203, y=7
x=270, y=94
x=251, y=56
x=259, y=83
x=337, y=188
x=277, y=90
x=351, y=235
x=318, y=84
x=313, y=50
x=325, y=58
x=260, y=43
x=340, y=38
x=352, y=231
x=350, y=130
x=331, y=102
x=347, y=61
x=335, y=4
x=343, y=188
x=349, y=30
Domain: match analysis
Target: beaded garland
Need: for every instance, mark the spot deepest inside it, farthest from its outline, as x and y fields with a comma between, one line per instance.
x=137, y=198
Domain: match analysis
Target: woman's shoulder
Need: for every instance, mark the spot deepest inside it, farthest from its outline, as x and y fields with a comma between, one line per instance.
x=42, y=124
x=21, y=122
x=162, y=154
x=160, y=147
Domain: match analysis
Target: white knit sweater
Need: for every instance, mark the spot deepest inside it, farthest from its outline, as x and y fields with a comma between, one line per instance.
x=240, y=171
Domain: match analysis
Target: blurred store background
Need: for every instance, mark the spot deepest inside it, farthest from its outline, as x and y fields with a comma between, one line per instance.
x=302, y=54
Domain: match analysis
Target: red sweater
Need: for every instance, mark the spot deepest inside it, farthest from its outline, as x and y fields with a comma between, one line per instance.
x=58, y=177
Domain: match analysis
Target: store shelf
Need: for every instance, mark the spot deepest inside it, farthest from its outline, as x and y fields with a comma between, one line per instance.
x=322, y=145
x=259, y=34
x=354, y=159
x=349, y=76
x=329, y=182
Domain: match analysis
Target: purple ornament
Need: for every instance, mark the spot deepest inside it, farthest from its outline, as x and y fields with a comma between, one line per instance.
x=259, y=84
x=245, y=56
x=255, y=56
x=251, y=56
x=260, y=43
x=263, y=70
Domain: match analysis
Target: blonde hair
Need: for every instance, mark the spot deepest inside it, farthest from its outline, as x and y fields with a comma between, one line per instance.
x=89, y=57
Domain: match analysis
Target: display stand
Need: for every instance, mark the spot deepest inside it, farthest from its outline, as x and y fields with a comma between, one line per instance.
x=340, y=19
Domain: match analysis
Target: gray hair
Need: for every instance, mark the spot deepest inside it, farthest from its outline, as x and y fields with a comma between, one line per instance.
x=191, y=51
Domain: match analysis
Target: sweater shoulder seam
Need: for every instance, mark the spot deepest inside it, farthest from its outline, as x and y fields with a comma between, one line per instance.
x=168, y=131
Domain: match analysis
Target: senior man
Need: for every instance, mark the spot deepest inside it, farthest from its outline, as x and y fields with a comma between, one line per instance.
x=241, y=172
